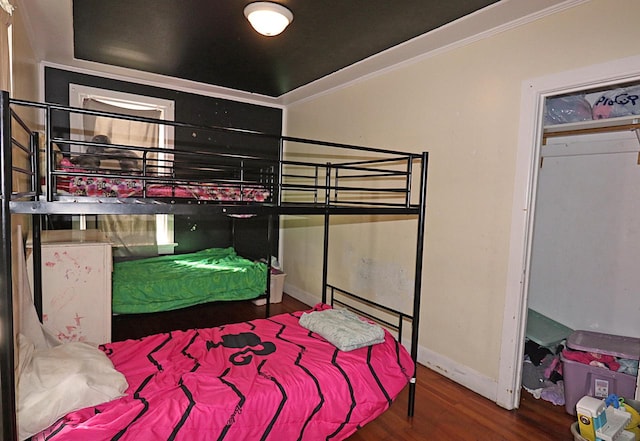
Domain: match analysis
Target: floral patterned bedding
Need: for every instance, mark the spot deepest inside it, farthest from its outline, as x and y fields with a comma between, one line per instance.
x=95, y=186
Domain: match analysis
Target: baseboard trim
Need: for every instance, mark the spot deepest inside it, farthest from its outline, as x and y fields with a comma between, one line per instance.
x=303, y=296
x=461, y=374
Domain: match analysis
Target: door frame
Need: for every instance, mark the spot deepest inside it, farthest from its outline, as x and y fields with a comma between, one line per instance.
x=533, y=94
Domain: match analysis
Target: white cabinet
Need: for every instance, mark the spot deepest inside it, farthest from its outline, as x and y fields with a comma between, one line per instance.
x=76, y=284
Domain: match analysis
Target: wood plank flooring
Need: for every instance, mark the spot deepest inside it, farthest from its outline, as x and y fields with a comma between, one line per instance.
x=447, y=411
x=444, y=410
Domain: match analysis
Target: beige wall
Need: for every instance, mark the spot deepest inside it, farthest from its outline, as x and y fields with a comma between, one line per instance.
x=25, y=68
x=5, y=72
x=463, y=107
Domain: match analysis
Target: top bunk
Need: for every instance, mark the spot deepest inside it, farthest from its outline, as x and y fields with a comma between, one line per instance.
x=52, y=168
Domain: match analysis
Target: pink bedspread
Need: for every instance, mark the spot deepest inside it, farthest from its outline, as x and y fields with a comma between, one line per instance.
x=267, y=379
x=95, y=186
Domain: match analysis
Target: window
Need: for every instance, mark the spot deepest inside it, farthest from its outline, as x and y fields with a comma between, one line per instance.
x=128, y=232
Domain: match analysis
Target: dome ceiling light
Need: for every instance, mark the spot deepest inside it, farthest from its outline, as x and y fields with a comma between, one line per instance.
x=268, y=18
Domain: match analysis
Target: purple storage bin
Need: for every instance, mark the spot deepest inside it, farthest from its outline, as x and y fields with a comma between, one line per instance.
x=607, y=344
x=582, y=379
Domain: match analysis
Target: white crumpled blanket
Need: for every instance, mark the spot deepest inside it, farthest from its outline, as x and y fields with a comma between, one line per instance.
x=343, y=328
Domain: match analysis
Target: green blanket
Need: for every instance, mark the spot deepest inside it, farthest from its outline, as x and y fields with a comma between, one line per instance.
x=176, y=281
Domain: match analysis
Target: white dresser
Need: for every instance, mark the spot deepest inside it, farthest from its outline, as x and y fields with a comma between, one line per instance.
x=76, y=284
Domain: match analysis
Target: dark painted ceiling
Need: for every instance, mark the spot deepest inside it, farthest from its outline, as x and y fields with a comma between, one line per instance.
x=211, y=42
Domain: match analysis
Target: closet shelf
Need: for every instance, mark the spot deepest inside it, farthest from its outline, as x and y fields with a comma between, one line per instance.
x=624, y=123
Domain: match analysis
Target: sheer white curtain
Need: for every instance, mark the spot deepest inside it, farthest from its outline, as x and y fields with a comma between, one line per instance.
x=131, y=235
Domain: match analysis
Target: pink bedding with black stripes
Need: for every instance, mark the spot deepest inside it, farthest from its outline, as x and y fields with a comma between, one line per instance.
x=266, y=379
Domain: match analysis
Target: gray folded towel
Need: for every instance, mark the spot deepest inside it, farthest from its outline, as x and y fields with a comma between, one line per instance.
x=344, y=329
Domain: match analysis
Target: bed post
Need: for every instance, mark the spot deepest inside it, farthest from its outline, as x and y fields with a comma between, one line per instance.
x=36, y=224
x=418, y=279
x=325, y=259
x=7, y=373
x=36, y=254
x=269, y=252
x=325, y=246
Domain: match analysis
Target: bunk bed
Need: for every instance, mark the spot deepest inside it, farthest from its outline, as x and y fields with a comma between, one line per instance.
x=308, y=177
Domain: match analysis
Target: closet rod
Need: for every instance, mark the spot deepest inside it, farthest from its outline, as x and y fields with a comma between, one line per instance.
x=633, y=126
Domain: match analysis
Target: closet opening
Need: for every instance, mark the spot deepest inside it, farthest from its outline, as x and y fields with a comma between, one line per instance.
x=585, y=242
x=545, y=140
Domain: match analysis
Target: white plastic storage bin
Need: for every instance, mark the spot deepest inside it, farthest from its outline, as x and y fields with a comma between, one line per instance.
x=276, y=286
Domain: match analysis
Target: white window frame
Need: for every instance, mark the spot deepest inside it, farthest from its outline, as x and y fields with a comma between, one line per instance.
x=78, y=93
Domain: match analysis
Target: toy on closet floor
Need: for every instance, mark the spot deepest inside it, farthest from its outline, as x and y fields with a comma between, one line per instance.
x=634, y=410
x=607, y=420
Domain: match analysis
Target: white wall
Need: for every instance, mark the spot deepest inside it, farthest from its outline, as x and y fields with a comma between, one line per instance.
x=462, y=106
x=586, y=240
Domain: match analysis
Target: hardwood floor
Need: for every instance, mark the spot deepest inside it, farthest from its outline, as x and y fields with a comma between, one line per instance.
x=444, y=409
x=200, y=316
x=447, y=411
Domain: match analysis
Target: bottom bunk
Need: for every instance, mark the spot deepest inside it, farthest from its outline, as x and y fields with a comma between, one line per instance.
x=169, y=282
x=270, y=378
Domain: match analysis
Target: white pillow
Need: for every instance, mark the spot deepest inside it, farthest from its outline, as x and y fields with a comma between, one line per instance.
x=62, y=379
x=26, y=348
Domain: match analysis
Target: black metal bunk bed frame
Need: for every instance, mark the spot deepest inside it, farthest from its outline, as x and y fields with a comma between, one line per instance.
x=324, y=197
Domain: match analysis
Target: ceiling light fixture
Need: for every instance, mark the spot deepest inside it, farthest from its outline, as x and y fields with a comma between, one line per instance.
x=268, y=18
